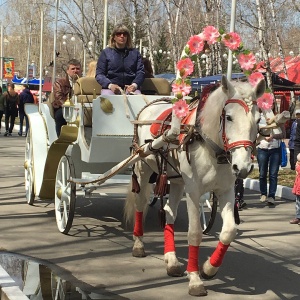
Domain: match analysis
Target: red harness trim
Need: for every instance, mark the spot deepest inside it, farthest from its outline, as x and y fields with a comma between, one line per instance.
x=157, y=129
x=243, y=143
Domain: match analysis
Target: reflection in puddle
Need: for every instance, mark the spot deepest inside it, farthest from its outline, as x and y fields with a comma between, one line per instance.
x=38, y=282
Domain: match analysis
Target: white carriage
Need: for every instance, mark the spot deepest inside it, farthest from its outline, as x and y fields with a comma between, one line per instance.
x=95, y=147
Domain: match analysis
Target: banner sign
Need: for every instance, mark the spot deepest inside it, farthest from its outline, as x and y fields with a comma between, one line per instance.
x=8, y=67
x=31, y=71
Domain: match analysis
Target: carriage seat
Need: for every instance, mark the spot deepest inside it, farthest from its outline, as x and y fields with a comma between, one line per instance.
x=86, y=89
x=156, y=86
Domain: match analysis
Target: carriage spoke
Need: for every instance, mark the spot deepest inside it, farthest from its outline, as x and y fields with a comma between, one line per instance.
x=65, y=195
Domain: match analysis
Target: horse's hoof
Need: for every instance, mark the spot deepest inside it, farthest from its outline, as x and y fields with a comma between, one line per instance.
x=205, y=276
x=197, y=290
x=175, y=271
x=138, y=252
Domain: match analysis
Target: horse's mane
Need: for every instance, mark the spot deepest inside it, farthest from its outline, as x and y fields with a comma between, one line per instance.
x=209, y=117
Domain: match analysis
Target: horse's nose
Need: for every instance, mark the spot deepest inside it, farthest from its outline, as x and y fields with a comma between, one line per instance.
x=241, y=173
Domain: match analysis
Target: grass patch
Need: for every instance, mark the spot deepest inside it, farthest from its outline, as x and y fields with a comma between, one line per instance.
x=286, y=177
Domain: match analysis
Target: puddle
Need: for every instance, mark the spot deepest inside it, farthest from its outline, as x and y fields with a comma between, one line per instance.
x=39, y=282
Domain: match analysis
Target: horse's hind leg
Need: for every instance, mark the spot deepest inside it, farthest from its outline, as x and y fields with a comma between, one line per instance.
x=136, y=208
x=172, y=264
x=196, y=286
x=227, y=235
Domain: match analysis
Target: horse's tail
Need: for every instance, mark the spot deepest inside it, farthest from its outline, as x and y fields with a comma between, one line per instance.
x=132, y=202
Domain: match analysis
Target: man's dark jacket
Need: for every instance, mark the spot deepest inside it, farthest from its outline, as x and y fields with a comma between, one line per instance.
x=25, y=97
x=121, y=67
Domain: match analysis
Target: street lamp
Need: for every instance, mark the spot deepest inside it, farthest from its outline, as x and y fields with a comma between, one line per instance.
x=72, y=39
x=161, y=59
x=90, y=44
x=205, y=60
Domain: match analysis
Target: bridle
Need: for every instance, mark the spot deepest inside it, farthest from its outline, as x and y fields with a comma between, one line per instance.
x=223, y=155
x=242, y=143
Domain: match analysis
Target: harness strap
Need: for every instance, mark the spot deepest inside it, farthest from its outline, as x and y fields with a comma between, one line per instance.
x=218, y=150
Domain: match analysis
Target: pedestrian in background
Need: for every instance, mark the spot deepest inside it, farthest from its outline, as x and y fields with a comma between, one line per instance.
x=11, y=99
x=296, y=191
x=148, y=68
x=25, y=97
x=1, y=107
x=91, y=69
x=269, y=159
x=292, y=139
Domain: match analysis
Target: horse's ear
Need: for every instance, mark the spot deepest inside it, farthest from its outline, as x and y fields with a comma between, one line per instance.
x=227, y=86
x=260, y=88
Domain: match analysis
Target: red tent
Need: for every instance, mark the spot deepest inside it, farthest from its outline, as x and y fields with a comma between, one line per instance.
x=292, y=64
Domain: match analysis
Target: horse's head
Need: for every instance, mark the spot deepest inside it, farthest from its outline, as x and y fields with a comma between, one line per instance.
x=229, y=119
x=240, y=117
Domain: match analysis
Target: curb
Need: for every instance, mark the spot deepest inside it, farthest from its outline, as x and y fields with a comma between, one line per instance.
x=281, y=192
x=9, y=290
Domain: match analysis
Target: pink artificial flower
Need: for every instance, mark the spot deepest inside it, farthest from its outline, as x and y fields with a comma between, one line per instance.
x=196, y=44
x=247, y=61
x=211, y=34
x=176, y=87
x=181, y=88
x=265, y=102
x=180, y=108
x=231, y=40
x=185, y=67
x=255, y=78
x=185, y=89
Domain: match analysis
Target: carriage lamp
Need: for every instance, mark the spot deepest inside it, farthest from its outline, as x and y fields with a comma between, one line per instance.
x=68, y=110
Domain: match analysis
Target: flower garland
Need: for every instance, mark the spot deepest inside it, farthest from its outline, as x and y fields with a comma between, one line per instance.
x=196, y=44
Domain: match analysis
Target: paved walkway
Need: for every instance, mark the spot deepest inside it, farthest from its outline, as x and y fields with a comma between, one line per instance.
x=261, y=264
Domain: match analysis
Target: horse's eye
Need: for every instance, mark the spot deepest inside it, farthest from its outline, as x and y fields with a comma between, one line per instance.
x=228, y=118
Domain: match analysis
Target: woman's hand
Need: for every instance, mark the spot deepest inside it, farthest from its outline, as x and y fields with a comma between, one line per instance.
x=115, y=88
x=130, y=88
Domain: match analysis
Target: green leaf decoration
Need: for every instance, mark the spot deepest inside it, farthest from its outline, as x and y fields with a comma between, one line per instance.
x=187, y=50
x=221, y=31
x=106, y=105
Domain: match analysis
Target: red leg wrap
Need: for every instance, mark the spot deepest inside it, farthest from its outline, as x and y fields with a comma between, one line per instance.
x=138, y=225
x=218, y=255
x=193, y=259
x=169, y=238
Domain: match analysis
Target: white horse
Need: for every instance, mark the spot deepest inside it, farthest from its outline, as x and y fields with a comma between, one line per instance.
x=227, y=125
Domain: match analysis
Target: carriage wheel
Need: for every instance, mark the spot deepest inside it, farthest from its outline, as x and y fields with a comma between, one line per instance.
x=65, y=195
x=29, y=174
x=208, y=211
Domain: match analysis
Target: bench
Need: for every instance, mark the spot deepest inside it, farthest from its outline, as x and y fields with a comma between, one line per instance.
x=156, y=86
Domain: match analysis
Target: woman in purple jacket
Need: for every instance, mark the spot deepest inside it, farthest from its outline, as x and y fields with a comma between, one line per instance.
x=120, y=65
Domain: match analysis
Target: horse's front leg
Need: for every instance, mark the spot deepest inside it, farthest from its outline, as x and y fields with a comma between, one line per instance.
x=196, y=286
x=227, y=235
x=171, y=207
